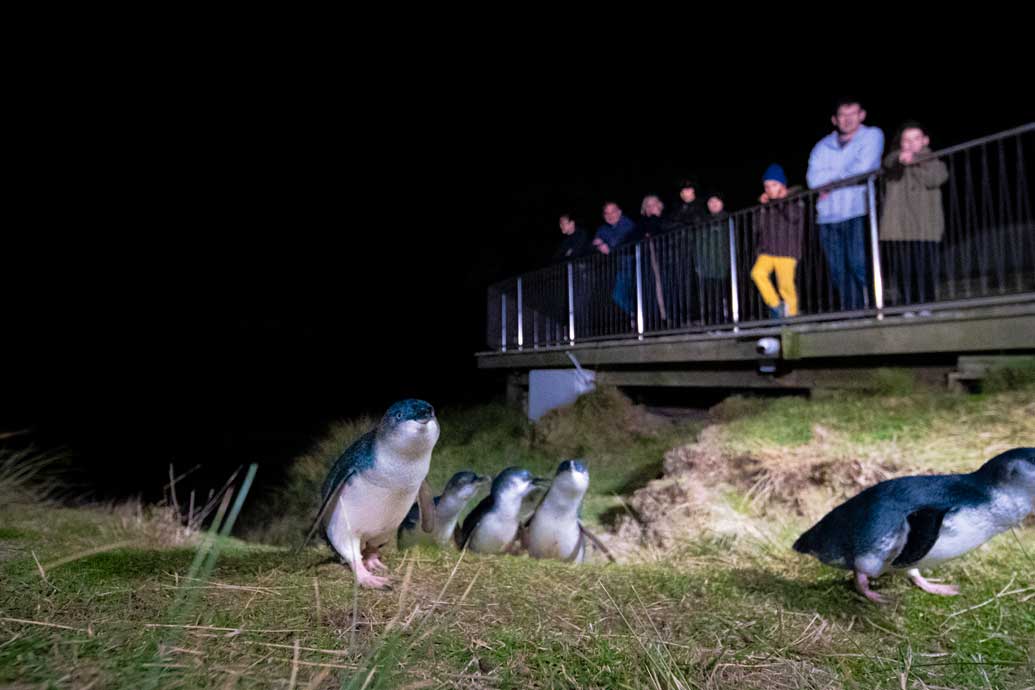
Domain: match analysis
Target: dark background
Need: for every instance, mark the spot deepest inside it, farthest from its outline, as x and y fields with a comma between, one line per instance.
x=209, y=267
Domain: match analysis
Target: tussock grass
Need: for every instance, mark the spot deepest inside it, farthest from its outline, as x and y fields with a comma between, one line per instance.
x=725, y=603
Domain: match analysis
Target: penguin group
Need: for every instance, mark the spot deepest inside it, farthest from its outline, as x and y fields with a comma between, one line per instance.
x=378, y=488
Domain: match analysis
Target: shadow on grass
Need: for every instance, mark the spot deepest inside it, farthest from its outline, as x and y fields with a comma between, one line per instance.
x=831, y=596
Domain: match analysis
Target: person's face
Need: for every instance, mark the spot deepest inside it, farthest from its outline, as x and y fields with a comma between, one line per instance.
x=848, y=119
x=687, y=194
x=913, y=140
x=612, y=213
x=567, y=225
x=652, y=207
x=715, y=205
x=774, y=189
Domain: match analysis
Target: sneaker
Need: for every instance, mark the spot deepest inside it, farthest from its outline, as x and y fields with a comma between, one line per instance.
x=909, y=315
x=776, y=312
x=925, y=312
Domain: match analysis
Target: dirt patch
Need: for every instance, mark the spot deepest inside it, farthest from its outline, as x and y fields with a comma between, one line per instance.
x=692, y=493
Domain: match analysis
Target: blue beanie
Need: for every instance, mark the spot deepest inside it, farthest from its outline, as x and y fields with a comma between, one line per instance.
x=775, y=172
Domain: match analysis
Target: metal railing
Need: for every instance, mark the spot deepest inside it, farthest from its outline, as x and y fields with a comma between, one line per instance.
x=955, y=225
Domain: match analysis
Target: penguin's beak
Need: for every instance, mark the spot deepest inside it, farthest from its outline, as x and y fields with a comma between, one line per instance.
x=540, y=482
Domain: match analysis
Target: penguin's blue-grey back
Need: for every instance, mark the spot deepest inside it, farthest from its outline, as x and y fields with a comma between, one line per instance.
x=489, y=502
x=996, y=470
x=475, y=516
x=855, y=527
x=357, y=457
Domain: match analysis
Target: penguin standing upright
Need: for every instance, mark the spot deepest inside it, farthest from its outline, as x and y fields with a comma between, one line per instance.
x=915, y=522
x=492, y=527
x=554, y=531
x=372, y=485
x=460, y=488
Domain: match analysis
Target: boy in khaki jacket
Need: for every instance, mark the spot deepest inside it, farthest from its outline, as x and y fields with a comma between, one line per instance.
x=912, y=223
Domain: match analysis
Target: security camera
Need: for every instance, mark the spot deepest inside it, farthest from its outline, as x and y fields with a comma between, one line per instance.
x=768, y=347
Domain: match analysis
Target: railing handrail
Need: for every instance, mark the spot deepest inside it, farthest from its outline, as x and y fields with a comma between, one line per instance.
x=805, y=192
x=701, y=304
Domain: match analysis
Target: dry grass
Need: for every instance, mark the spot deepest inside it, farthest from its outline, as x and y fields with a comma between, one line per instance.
x=716, y=601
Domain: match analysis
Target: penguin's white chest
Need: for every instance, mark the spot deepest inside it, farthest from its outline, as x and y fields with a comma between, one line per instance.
x=969, y=528
x=373, y=504
x=554, y=536
x=494, y=533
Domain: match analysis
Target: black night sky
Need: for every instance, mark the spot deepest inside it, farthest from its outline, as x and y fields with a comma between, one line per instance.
x=211, y=270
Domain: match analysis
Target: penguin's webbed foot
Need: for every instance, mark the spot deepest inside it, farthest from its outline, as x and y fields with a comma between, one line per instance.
x=373, y=564
x=862, y=585
x=367, y=579
x=930, y=587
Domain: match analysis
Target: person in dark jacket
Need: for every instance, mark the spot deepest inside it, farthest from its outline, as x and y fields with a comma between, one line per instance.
x=616, y=231
x=675, y=254
x=712, y=260
x=779, y=228
x=575, y=242
x=649, y=226
x=688, y=210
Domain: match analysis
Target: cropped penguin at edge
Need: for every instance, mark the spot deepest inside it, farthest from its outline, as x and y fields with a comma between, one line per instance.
x=555, y=530
x=911, y=523
x=372, y=485
x=458, y=491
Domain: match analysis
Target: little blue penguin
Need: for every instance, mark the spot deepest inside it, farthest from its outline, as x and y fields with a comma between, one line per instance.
x=555, y=531
x=915, y=522
x=460, y=488
x=492, y=527
x=372, y=485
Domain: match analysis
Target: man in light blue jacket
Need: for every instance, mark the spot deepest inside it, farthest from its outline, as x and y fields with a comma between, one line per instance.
x=852, y=150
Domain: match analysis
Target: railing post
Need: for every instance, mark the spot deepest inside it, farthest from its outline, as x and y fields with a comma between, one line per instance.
x=639, y=292
x=734, y=300
x=571, y=304
x=520, y=318
x=503, y=321
x=878, y=282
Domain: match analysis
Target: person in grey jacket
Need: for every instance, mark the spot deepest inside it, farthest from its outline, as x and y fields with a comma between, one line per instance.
x=912, y=222
x=851, y=150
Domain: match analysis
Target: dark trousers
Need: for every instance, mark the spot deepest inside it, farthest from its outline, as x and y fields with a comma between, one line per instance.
x=714, y=299
x=913, y=268
x=844, y=245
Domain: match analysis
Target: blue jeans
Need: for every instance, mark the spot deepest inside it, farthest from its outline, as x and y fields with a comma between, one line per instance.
x=844, y=244
x=624, y=291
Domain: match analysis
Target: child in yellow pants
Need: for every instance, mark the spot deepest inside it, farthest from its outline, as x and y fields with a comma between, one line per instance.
x=779, y=227
x=784, y=267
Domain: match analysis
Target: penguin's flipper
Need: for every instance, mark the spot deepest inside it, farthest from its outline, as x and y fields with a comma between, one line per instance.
x=593, y=539
x=328, y=501
x=523, y=534
x=471, y=523
x=357, y=457
x=426, y=501
x=925, y=525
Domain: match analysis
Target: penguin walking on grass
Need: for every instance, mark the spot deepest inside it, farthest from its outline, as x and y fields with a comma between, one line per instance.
x=372, y=485
x=911, y=523
x=555, y=530
x=460, y=488
x=492, y=527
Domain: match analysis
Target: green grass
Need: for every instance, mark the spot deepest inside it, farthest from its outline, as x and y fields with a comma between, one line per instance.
x=719, y=609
